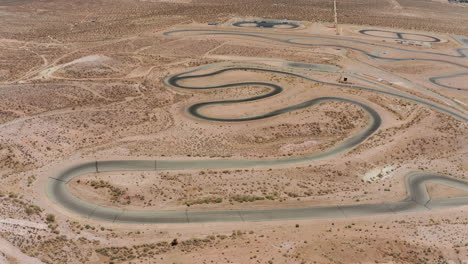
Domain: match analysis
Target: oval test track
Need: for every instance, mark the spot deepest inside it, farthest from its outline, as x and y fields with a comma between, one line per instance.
x=417, y=198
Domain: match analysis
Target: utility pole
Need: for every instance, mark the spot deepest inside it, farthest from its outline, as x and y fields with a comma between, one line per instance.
x=336, y=17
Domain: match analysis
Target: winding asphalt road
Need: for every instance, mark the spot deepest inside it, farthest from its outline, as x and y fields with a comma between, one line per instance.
x=435, y=80
x=173, y=81
x=295, y=40
x=417, y=197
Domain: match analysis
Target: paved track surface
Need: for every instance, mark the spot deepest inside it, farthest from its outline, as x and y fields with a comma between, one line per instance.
x=290, y=37
x=399, y=35
x=435, y=80
x=173, y=81
x=417, y=199
x=338, y=42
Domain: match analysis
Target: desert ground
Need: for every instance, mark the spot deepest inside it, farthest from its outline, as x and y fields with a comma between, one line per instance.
x=202, y=131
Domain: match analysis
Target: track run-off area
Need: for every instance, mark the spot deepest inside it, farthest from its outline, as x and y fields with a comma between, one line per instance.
x=418, y=199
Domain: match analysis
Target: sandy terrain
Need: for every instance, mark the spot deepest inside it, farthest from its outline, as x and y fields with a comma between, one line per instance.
x=86, y=81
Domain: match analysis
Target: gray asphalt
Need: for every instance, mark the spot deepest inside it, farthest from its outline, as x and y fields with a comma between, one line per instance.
x=410, y=97
x=461, y=52
x=417, y=200
x=435, y=80
x=400, y=35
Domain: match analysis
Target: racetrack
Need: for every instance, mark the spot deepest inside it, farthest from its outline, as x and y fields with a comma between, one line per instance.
x=173, y=81
x=417, y=200
x=435, y=80
x=401, y=36
x=296, y=39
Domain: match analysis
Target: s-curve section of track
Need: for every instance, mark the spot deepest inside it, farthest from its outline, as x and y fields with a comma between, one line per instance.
x=417, y=200
x=346, y=43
